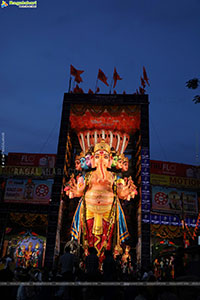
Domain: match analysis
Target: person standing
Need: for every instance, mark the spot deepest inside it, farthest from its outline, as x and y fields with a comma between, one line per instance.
x=66, y=265
x=92, y=265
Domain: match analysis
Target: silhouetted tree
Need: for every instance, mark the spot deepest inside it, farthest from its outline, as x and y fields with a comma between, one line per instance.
x=194, y=84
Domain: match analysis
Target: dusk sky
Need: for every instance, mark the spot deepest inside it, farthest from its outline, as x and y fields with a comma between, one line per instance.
x=39, y=44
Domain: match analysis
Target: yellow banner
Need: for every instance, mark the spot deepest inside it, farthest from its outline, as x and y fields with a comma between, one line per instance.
x=159, y=179
x=175, y=181
x=21, y=171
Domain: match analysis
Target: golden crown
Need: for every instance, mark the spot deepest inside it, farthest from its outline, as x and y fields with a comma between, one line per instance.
x=102, y=146
x=82, y=154
x=121, y=156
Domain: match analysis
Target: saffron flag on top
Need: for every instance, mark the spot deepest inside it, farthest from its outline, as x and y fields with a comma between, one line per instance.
x=142, y=91
x=97, y=90
x=101, y=76
x=115, y=77
x=143, y=82
x=78, y=79
x=90, y=91
x=78, y=90
x=76, y=73
x=145, y=76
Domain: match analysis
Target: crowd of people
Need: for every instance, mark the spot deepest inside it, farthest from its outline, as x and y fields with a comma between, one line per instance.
x=115, y=268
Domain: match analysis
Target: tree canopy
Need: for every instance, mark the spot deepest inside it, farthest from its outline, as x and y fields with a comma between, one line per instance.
x=194, y=84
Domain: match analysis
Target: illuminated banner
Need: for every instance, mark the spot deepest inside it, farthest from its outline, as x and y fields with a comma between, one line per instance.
x=172, y=220
x=28, y=171
x=172, y=200
x=31, y=159
x=21, y=171
x=174, y=169
x=28, y=191
x=175, y=181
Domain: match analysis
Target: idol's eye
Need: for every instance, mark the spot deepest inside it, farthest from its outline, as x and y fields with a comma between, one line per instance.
x=96, y=156
x=106, y=156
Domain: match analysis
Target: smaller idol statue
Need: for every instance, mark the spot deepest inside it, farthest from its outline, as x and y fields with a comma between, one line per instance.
x=28, y=255
x=35, y=256
x=20, y=255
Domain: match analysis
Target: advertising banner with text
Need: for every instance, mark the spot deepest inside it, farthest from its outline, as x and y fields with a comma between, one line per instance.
x=174, y=169
x=174, y=200
x=175, y=181
x=31, y=159
x=28, y=191
x=29, y=171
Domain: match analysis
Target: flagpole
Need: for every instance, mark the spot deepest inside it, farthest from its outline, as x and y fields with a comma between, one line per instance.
x=111, y=86
x=96, y=84
x=73, y=85
x=70, y=79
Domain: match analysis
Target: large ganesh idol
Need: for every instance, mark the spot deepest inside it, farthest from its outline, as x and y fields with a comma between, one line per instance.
x=99, y=220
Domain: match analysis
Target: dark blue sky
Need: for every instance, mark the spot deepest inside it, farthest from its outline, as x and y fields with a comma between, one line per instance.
x=38, y=46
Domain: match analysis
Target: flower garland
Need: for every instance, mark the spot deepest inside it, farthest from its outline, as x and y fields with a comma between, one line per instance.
x=85, y=229
x=112, y=217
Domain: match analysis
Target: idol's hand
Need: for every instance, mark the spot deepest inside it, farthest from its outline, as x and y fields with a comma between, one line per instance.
x=73, y=188
x=127, y=189
x=132, y=187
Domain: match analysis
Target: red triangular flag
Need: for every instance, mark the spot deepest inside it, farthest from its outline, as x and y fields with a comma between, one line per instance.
x=78, y=78
x=81, y=91
x=101, y=76
x=145, y=76
x=116, y=77
x=97, y=90
x=143, y=82
x=90, y=91
x=78, y=90
x=76, y=73
x=114, y=92
x=142, y=91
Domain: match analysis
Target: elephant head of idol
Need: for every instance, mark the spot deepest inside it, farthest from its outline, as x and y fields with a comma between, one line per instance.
x=101, y=158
